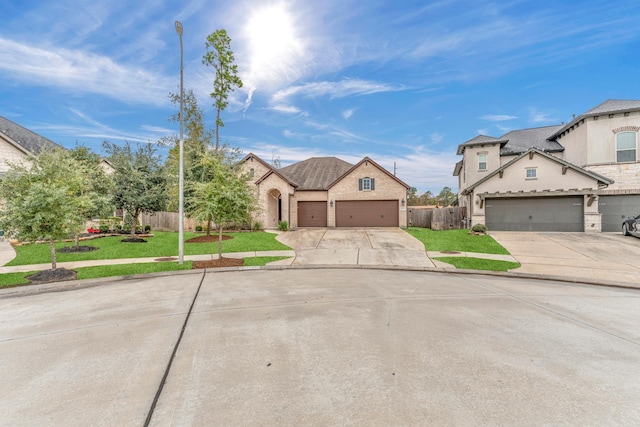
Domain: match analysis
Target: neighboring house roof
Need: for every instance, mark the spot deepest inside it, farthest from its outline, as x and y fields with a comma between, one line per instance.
x=520, y=141
x=601, y=179
x=480, y=140
x=457, y=169
x=24, y=139
x=316, y=173
x=368, y=160
x=610, y=106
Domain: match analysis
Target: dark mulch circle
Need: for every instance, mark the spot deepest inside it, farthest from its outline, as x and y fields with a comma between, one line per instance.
x=217, y=263
x=133, y=240
x=207, y=239
x=73, y=249
x=48, y=276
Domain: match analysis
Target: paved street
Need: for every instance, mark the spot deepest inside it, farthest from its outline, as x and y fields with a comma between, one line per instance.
x=320, y=347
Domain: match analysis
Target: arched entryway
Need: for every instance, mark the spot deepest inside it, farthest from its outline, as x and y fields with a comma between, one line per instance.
x=274, y=208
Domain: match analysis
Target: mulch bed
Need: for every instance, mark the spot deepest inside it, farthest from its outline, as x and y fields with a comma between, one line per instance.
x=217, y=263
x=74, y=249
x=57, y=275
x=133, y=240
x=207, y=239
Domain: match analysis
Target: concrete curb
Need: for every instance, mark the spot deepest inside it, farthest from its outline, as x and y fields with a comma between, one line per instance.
x=24, y=290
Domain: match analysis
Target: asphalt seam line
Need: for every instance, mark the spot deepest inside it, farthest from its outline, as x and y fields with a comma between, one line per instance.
x=173, y=354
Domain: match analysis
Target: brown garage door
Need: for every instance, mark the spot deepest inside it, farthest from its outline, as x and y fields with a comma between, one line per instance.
x=367, y=213
x=312, y=214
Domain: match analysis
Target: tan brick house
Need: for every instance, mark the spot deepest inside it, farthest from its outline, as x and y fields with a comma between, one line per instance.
x=327, y=192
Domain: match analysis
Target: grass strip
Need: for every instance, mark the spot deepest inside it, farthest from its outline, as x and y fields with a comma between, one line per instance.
x=456, y=240
x=469, y=263
x=162, y=244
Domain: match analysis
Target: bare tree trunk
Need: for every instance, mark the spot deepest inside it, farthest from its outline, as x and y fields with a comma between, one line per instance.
x=220, y=242
x=77, y=240
x=52, y=246
x=134, y=222
x=217, y=134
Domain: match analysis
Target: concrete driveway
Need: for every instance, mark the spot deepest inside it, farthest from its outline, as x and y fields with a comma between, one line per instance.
x=356, y=246
x=601, y=257
x=320, y=347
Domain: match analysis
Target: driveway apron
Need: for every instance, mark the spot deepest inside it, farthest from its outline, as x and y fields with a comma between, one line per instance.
x=356, y=246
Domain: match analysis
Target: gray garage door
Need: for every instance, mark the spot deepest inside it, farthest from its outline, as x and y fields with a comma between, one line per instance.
x=367, y=213
x=312, y=214
x=615, y=209
x=535, y=214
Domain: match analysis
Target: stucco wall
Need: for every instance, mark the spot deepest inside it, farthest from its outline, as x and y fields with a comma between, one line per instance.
x=9, y=153
x=386, y=188
x=549, y=177
x=574, y=143
x=471, y=174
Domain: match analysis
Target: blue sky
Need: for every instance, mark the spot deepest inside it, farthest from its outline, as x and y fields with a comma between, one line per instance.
x=403, y=81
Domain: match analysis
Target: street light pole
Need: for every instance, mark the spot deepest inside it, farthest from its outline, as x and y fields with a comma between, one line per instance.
x=181, y=191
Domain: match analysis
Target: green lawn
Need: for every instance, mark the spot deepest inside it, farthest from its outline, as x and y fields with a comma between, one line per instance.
x=469, y=263
x=163, y=244
x=456, y=240
x=15, y=279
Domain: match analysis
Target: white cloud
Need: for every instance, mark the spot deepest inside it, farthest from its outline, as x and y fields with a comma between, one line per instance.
x=341, y=89
x=498, y=117
x=346, y=114
x=538, y=117
x=82, y=72
x=436, y=137
x=287, y=109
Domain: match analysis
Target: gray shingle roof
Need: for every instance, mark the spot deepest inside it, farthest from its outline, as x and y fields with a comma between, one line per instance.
x=30, y=141
x=316, y=173
x=520, y=141
x=480, y=140
x=612, y=105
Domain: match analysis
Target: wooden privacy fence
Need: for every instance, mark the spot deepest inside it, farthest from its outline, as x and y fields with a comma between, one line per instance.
x=437, y=219
x=166, y=221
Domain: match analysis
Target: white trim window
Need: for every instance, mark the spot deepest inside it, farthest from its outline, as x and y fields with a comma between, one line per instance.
x=626, y=147
x=482, y=161
x=366, y=184
x=531, y=173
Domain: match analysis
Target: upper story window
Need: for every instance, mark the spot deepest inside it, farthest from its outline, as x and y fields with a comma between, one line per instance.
x=482, y=161
x=366, y=184
x=531, y=173
x=626, y=147
x=251, y=172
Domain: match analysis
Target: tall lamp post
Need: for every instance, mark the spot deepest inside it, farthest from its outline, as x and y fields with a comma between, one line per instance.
x=181, y=191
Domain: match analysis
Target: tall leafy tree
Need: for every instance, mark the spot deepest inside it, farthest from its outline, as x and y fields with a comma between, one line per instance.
x=99, y=187
x=45, y=199
x=446, y=197
x=225, y=199
x=220, y=56
x=139, y=180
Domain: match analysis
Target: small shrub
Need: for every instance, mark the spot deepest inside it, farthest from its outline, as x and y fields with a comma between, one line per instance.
x=147, y=228
x=118, y=228
x=198, y=228
x=257, y=226
x=104, y=228
x=283, y=226
x=479, y=228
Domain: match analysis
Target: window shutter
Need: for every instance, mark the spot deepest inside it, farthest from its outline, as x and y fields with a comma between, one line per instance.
x=373, y=184
x=360, y=184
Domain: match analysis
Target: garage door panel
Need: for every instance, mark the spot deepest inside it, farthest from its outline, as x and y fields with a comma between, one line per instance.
x=367, y=213
x=615, y=209
x=312, y=214
x=535, y=214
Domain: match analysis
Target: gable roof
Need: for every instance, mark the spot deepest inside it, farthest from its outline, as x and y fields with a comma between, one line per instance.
x=610, y=106
x=520, y=141
x=368, y=160
x=271, y=170
x=316, y=173
x=480, y=140
x=24, y=139
x=592, y=175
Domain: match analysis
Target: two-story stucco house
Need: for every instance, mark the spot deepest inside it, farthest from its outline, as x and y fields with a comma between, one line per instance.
x=327, y=192
x=579, y=176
